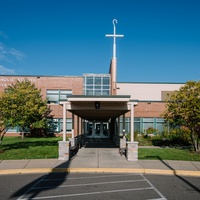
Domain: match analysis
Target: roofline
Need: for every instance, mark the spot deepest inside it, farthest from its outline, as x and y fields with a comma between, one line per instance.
x=152, y=82
x=90, y=74
x=97, y=98
x=38, y=76
x=151, y=101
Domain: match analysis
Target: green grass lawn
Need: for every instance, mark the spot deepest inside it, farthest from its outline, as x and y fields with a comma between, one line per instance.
x=29, y=148
x=38, y=148
x=168, y=154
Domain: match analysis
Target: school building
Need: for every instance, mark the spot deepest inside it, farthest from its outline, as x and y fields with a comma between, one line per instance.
x=97, y=106
x=82, y=94
x=90, y=105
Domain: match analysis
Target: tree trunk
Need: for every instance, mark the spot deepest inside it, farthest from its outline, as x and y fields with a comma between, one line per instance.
x=3, y=132
x=22, y=134
x=195, y=140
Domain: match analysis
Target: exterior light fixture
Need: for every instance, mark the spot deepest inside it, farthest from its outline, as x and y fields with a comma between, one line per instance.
x=97, y=105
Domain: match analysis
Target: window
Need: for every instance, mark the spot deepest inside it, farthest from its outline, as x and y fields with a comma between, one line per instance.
x=89, y=81
x=142, y=124
x=127, y=125
x=12, y=129
x=53, y=125
x=106, y=81
x=96, y=84
x=137, y=124
x=97, y=80
x=53, y=96
x=68, y=124
x=148, y=123
x=56, y=125
x=160, y=124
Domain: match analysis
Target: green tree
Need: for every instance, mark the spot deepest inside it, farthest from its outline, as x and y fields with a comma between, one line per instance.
x=183, y=110
x=21, y=105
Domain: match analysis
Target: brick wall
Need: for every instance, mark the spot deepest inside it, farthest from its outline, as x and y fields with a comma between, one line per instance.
x=148, y=109
x=74, y=83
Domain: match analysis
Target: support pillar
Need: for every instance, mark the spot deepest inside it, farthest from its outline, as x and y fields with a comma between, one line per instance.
x=132, y=123
x=72, y=125
x=123, y=121
x=64, y=147
x=81, y=125
x=72, y=139
x=78, y=124
x=93, y=128
x=132, y=151
x=123, y=126
x=132, y=147
x=119, y=126
x=64, y=122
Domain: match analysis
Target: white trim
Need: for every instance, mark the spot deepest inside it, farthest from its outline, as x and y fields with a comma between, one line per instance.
x=64, y=122
x=98, y=99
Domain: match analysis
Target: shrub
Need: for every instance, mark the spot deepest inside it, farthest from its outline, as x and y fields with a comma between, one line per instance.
x=140, y=138
x=151, y=130
x=176, y=137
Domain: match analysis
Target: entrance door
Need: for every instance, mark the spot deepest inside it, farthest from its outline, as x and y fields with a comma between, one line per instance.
x=105, y=133
x=97, y=130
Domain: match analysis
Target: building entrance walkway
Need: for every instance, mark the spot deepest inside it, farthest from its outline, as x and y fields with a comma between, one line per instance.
x=100, y=153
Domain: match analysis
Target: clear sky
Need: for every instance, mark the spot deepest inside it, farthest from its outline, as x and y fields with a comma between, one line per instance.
x=67, y=37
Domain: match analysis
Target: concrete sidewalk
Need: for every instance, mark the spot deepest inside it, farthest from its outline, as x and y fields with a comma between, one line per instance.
x=100, y=160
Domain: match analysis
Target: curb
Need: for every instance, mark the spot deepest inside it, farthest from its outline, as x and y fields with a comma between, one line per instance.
x=100, y=170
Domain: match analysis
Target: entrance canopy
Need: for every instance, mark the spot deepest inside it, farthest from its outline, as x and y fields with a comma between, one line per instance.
x=99, y=108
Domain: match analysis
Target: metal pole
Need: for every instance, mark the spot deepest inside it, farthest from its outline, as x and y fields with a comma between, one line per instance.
x=114, y=39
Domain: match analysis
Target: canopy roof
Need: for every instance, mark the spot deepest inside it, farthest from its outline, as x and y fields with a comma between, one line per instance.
x=109, y=106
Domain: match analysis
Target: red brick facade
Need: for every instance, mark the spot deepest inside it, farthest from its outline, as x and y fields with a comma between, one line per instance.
x=149, y=109
x=152, y=109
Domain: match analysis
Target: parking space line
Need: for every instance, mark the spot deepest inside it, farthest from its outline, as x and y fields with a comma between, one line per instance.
x=45, y=179
x=89, y=177
x=158, y=192
x=88, y=184
x=31, y=188
x=90, y=193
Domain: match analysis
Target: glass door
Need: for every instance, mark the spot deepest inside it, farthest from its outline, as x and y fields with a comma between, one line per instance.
x=97, y=130
x=97, y=133
x=105, y=133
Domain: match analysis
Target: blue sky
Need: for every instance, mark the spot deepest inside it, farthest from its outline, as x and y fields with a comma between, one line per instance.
x=67, y=37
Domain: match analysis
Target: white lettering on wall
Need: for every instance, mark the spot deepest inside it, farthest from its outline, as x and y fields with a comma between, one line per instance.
x=5, y=82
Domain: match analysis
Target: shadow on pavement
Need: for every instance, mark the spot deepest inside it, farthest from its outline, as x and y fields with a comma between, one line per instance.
x=35, y=187
x=99, y=143
x=180, y=177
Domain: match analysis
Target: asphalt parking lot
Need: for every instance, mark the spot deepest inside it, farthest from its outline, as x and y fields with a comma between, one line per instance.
x=92, y=186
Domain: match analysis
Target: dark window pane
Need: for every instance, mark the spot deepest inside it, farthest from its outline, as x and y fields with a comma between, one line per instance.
x=97, y=80
x=89, y=80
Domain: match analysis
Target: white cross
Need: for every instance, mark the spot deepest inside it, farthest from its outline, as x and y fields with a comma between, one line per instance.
x=114, y=38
